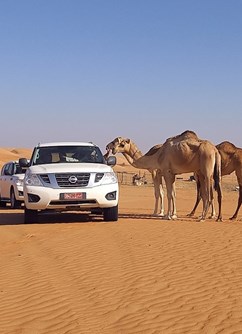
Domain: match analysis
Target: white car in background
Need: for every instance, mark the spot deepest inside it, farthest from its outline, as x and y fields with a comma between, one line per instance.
x=11, y=185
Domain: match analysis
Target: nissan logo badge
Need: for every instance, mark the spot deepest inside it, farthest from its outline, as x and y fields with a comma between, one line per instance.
x=73, y=179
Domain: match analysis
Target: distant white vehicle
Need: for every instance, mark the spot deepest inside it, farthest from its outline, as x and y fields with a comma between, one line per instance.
x=11, y=185
x=67, y=176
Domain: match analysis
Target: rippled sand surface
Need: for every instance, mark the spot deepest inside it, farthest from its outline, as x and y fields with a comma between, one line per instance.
x=74, y=274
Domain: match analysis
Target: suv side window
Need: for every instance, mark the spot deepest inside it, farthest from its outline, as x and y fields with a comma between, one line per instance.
x=8, y=169
x=17, y=169
x=11, y=169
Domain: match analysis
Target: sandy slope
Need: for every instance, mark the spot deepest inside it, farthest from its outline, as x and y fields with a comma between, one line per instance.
x=142, y=275
x=12, y=154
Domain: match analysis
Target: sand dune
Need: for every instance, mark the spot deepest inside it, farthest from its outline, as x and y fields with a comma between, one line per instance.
x=9, y=154
x=142, y=275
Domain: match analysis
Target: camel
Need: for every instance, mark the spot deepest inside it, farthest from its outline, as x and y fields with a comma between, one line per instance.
x=132, y=153
x=231, y=161
x=183, y=153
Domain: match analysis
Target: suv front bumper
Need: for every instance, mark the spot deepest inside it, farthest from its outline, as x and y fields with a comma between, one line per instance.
x=42, y=198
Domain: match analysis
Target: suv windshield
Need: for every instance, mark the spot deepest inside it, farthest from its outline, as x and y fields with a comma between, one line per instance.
x=67, y=154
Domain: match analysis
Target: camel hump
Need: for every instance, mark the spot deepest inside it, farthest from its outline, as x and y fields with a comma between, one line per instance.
x=153, y=149
x=206, y=145
x=227, y=147
x=188, y=134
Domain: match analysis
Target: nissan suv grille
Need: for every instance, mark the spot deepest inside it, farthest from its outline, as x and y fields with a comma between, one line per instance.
x=72, y=180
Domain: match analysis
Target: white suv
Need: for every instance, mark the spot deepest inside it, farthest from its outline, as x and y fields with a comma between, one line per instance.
x=11, y=185
x=70, y=176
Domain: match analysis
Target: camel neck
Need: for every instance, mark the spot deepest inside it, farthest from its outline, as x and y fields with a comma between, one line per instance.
x=134, y=154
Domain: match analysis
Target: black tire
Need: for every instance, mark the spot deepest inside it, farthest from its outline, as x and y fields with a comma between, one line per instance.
x=30, y=216
x=13, y=202
x=2, y=204
x=110, y=214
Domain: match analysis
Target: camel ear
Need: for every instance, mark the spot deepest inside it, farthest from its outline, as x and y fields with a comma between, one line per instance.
x=127, y=140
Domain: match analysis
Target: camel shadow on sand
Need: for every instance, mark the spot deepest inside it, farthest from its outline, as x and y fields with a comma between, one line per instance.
x=153, y=217
x=181, y=218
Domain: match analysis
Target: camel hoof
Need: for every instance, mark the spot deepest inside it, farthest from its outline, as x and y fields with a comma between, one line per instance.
x=219, y=219
x=191, y=214
x=162, y=214
x=212, y=217
x=232, y=218
x=174, y=217
x=158, y=215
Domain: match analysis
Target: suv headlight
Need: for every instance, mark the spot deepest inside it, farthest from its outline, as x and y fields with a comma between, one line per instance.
x=109, y=178
x=32, y=179
x=19, y=183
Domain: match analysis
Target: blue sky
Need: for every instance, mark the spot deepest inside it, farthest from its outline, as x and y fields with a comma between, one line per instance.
x=92, y=70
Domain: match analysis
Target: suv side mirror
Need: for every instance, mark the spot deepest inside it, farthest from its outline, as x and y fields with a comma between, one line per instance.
x=111, y=161
x=23, y=163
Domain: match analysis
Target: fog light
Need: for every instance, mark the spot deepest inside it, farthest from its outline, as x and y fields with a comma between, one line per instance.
x=111, y=196
x=33, y=198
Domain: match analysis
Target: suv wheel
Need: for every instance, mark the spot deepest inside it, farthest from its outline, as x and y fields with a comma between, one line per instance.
x=30, y=216
x=14, y=203
x=2, y=204
x=110, y=214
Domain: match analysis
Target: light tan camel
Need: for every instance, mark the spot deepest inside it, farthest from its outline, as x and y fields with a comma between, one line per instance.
x=131, y=152
x=231, y=161
x=183, y=154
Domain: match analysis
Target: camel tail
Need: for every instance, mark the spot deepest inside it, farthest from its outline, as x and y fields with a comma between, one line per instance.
x=217, y=172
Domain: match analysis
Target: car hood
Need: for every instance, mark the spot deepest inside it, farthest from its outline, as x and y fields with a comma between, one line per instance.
x=70, y=168
x=18, y=176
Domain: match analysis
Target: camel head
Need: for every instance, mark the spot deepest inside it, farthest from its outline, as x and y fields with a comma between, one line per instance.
x=118, y=145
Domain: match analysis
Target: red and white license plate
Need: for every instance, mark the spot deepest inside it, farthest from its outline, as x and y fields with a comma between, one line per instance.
x=73, y=196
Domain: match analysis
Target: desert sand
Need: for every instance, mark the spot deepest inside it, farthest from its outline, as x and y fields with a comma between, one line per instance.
x=75, y=274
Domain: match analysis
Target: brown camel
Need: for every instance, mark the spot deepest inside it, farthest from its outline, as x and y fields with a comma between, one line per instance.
x=183, y=154
x=131, y=152
x=231, y=161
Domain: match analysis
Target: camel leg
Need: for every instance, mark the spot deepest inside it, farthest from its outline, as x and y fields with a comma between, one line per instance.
x=173, y=202
x=239, y=203
x=218, y=188
x=217, y=184
x=213, y=212
x=191, y=214
x=162, y=208
x=171, y=195
x=206, y=195
x=159, y=199
x=159, y=195
x=219, y=191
